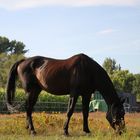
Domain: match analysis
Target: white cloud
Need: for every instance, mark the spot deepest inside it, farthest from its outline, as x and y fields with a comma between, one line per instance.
x=107, y=31
x=22, y=4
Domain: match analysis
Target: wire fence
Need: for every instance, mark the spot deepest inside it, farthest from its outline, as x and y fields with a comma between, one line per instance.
x=56, y=107
x=42, y=106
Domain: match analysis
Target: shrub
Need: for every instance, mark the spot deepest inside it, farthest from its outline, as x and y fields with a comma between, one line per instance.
x=43, y=97
x=46, y=102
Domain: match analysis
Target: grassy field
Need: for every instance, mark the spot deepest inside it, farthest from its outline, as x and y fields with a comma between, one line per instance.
x=50, y=127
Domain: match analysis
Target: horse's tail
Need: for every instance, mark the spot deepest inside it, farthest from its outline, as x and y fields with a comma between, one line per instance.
x=10, y=90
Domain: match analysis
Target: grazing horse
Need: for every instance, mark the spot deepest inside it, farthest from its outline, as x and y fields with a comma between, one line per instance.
x=77, y=76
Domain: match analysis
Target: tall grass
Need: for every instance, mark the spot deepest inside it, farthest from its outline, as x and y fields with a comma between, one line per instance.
x=50, y=127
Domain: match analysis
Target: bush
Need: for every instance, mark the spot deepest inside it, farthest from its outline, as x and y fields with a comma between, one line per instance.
x=2, y=94
x=43, y=97
x=46, y=102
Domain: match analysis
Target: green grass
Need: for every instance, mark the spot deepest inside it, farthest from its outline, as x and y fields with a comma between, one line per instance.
x=50, y=127
x=99, y=136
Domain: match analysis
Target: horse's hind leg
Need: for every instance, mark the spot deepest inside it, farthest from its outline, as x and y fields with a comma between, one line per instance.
x=85, y=105
x=30, y=102
x=71, y=105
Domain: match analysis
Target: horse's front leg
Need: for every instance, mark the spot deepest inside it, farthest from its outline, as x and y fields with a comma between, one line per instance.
x=71, y=105
x=85, y=107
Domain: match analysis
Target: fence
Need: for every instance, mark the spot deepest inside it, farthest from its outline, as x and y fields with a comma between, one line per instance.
x=43, y=106
x=57, y=107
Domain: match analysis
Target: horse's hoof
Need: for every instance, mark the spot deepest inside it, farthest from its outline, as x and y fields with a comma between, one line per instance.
x=27, y=127
x=87, y=131
x=33, y=133
x=66, y=133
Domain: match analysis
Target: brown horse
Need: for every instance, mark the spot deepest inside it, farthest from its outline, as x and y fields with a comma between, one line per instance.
x=77, y=76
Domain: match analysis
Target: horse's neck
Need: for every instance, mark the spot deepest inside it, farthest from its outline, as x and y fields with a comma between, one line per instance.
x=110, y=98
x=109, y=94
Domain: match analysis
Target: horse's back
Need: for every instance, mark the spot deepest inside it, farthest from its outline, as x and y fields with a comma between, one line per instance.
x=60, y=76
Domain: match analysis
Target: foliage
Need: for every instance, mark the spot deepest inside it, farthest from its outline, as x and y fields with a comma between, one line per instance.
x=10, y=52
x=46, y=102
x=43, y=97
x=136, y=85
x=110, y=65
x=11, y=47
x=123, y=81
x=4, y=44
x=6, y=61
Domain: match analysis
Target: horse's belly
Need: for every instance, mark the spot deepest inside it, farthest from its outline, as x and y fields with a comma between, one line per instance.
x=57, y=90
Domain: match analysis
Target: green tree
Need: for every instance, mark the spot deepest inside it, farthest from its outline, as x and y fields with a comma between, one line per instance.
x=4, y=44
x=110, y=65
x=10, y=52
x=136, y=85
x=6, y=61
x=11, y=47
x=123, y=81
x=17, y=47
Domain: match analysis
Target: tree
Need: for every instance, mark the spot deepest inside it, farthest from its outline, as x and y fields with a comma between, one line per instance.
x=4, y=44
x=136, y=85
x=11, y=47
x=123, y=81
x=6, y=61
x=10, y=52
x=17, y=47
x=110, y=65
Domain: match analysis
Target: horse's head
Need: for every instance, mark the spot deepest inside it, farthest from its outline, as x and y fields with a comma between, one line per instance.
x=115, y=116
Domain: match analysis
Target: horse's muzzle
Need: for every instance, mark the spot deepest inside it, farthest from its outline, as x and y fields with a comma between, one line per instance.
x=119, y=126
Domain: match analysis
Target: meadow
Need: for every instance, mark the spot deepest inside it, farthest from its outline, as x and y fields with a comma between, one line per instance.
x=50, y=127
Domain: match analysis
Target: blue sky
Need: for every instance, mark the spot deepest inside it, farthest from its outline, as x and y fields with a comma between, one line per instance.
x=62, y=28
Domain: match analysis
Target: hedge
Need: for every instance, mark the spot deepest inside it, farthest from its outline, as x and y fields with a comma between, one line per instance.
x=46, y=101
x=43, y=97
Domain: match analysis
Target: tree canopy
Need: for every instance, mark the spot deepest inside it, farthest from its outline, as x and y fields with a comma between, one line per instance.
x=11, y=47
x=10, y=52
x=136, y=85
x=6, y=61
x=110, y=65
x=123, y=80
